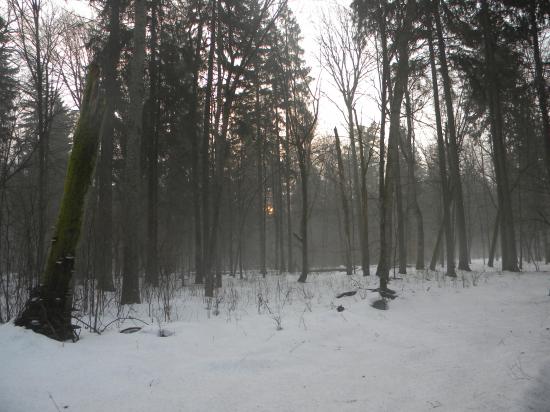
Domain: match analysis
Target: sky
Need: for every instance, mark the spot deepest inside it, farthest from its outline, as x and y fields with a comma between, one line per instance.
x=308, y=14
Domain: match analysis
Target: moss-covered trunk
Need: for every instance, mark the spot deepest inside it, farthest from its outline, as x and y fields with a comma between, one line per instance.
x=48, y=310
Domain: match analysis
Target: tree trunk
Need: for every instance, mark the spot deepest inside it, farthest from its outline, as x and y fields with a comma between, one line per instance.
x=205, y=161
x=401, y=80
x=507, y=232
x=540, y=83
x=43, y=140
x=345, y=207
x=437, y=246
x=288, y=173
x=382, y=258
x=195, y=166
x=279, y=211
x=104, y=248
x=546, y=244
x=152, y=115
x=356, y=186
x=449, y=237
x=400, y=218
x=302, y=163
x=261, y=182
x=494, y=240
x=132, y=181
x=454, y=161
x=410, y=158
x=364, y=201
x=48, y=310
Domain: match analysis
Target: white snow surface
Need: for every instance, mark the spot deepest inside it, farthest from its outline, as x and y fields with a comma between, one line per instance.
x=443, y=344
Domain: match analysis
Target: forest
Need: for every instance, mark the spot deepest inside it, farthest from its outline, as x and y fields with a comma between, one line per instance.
x=166, y=161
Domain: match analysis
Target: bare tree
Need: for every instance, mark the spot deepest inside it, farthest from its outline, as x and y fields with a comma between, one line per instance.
x=303, y=121
x=345, y=207
x=408, y=150
x=104, y=171
x=346, y=57
x=446, y=194
x=403, y=37
x=506, y=218
x=36, y=38
x=453, y=148
x=72, y=55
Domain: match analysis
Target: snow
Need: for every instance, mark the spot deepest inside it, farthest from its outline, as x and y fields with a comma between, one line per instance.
x=443, y=344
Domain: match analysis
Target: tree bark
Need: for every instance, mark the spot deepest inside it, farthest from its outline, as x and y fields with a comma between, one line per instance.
x=400, y=218
x=410, y=158
x=302, y=163
x=43, y=137
x=437, y=246
x=288, y=173
x=364, y=200
x=445, y=191
x=48, y=310
x=540, y=83
x=104, y=248
x=454, y=160
x=205, y=160
x=195, y=166
x=382, y=258
x=345, y=207
x=507, y=232
x=132, y=180
x=261, y=182
x=546, y=244
x=152, y=113
x=494, y=240
x=401, y=79
x=279, y=210
x=356, y=186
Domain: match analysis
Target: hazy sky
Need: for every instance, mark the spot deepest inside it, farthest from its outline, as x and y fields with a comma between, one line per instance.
x=308, y=14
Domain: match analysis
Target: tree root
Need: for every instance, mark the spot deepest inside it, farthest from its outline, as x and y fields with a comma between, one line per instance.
x=48, y=315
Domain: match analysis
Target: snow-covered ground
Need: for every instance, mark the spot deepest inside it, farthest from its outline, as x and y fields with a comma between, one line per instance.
x=480, y=342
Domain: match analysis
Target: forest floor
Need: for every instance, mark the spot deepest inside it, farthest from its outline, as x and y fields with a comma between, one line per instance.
x=480, y=342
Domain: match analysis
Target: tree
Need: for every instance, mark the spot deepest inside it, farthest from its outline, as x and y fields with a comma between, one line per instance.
x=302, y=128
x=507, y=232
x=301, y=105
x=445, y=191
x=48, y=310
x=37, y=34
x=408, y=150
x=110, y=60
x=538, y=9
x=453, y=149
x=132, y=181
x=151, y=132
x=345, y=207
x=376, y=16
x=345, y=55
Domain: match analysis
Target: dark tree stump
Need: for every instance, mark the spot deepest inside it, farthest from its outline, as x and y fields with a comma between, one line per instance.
x=48, y=315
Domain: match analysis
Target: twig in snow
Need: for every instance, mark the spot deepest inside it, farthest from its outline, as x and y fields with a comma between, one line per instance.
x=117, y=319
x=54, y=402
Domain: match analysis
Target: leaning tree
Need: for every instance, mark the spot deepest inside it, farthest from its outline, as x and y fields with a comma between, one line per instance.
x=48, y=309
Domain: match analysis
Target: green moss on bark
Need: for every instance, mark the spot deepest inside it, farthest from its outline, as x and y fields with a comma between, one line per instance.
x=48, y=310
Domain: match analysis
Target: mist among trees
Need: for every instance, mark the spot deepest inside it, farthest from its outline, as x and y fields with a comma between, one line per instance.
x=159, y=146
x=165, y=164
